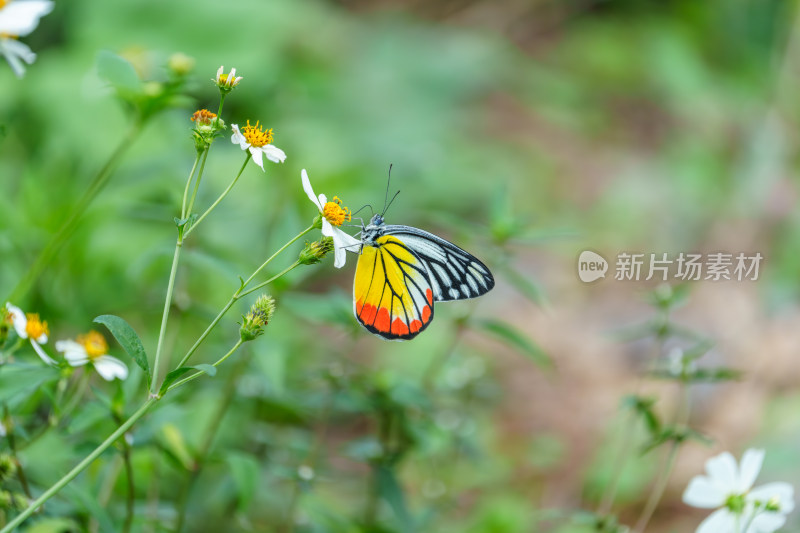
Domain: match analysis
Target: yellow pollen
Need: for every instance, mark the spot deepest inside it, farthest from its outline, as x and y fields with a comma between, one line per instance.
x=36, y=327
x=94, y=344
x=202, y=116
x=256, y=136
x=335, y=213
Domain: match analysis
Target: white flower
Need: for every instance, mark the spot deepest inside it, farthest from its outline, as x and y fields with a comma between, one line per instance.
x=227, y=81
x=333, y=214
x=92, y=348
x=30, y=327
x=257, y=141
x=740, y=508
x=17, y=19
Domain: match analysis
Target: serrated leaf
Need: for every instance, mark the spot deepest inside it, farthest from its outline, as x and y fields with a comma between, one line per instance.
x=516, y=339
x=211, y=370
x=128, y=339
x=172, y=377
x=118, y=72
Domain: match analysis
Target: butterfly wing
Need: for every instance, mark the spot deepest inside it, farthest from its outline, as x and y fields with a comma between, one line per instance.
x=392, y=294
x=454, y=273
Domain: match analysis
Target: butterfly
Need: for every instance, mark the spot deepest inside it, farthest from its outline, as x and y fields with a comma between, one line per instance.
x=402, y=271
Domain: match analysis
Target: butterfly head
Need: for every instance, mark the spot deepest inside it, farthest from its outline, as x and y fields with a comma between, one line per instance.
x=376, y=220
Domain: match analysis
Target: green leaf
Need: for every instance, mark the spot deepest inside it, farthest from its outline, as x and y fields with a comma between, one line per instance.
x=53, y=525
x=391, y=491
x=118, y=72
x=128, y=339
x=516, y=339
x=526, y=286
x=245, y=471
x=172, y=377
x=19, y=380
x=175, y=444
x=211, y=370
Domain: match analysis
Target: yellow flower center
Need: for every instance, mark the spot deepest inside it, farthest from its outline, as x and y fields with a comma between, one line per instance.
x=3, y=3
x=202, y=116
x=36, y=327
x=335, y=213
x=94, y=344
x=256, y=136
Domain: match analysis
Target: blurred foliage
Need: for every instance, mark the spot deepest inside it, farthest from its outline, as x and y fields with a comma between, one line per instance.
x=617, y=124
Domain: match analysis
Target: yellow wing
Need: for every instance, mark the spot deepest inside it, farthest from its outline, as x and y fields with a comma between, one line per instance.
x=392, y=294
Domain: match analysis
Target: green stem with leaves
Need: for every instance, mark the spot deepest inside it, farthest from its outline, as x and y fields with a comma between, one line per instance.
x=80, y=467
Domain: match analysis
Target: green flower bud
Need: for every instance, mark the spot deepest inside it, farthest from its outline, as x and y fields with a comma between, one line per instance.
x=180, y=64
x=259, y=316
x=315, y=251
x=8, y=467
x=6, y=499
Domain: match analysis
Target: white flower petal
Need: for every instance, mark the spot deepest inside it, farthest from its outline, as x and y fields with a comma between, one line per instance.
x=21, y=17
x=274, y=154
x=110, y=367
x=322, y=201
x=749, y=469
x=784, y=493
x=13, y=60
x=40, y=351
x=766, y=522
x=704, y=493
x=720, y=521
x=19, y=320
x=723, y=470
x=74, y=352
x=238, y=138
x=231, y=76
x=41, y=339
x=257, y=156
x=219, y=73
x=309, y=190
x=342, y=242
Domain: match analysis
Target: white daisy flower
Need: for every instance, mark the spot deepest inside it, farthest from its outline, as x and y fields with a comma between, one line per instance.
x=227, y=81
x=333, y=215
x=30, y=326
x=740, y=507
x=92, y=348
x=17, y=19
x=257, y=141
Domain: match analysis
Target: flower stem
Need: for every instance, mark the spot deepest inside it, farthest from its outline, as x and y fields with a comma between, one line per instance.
x=197, y=182
x=80, y=467
x=238, y=294
x=165, y=316
x=79, y=208
x=658, y=489
x=221, y=196
x=201, y=372
x=189, y=182
x=270, y=280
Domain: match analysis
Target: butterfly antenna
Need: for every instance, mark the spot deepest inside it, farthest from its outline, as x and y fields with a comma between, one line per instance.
x=364, y=207
x=390, y=203
x=388, y=182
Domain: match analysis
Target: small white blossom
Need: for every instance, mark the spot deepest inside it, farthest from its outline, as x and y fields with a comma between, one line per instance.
x=17, y=19
x=728, y=487
x=341, y=240
x=257, y=141
x=30, y=326
x=92, y=348
x=227, y=81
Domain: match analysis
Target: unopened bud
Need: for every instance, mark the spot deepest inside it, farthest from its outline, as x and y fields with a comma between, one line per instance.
x=315, y=251
x=259, y=316
x=8, y=467
x=180, y=64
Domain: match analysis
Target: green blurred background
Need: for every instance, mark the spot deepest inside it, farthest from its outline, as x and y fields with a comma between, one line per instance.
x=526, y=131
